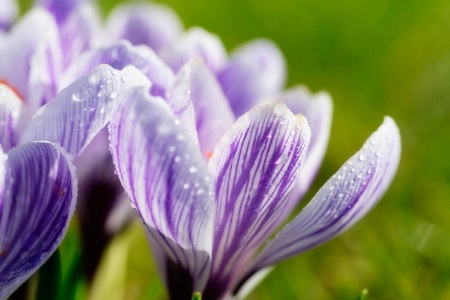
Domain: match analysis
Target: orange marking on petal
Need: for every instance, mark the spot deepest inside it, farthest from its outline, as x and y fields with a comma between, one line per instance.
x=16, y=91
x=209, y=154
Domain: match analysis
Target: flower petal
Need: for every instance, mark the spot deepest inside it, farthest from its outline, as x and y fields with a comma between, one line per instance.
x=8, y=13
x=254, y=167
x=37, y=208
x=154, y=25
x=255, y=71
x=81, y=110
x=342, y=201
x=81, y=32
x=318, y=110
x=167, y=180
x=121, y=55
x=196, y=42
x=13, y=118
x=213, y=115
x=61, y=9
x=30, y=60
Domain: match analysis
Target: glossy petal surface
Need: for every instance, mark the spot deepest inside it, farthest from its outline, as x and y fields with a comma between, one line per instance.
x=254, y=166
x=213, y=115
x=121, y=55
x=167, y=180
x=38, y=204
x=81, y=110
x=343, y=200
x=317, y=109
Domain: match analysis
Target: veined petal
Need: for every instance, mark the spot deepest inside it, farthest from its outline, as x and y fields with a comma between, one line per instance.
x=37, y=208
x=121, y=55
x=342, y=201
x=167, y=180
x=154, y=25
x=317, y=109
x=81, y=31
x=81, y=110
x=256, y=70
x=196, y=42
x=8, y=13
x=213, y=115
x=30, y=60
x=254, y=167
x=13, y=118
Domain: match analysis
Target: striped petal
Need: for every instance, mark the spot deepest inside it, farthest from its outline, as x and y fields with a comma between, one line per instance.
x=121, y=55
x=81, y=110
x=37, y=207
x=255, y=71
x=342, y=201
x=13, y=118
x=254, y=168
x=194, y=43
x=8, y=13
x=318, y=110
x=30, y=60
x=213, y=115
x=154, y=25
x=81, y=31
x=167, y=181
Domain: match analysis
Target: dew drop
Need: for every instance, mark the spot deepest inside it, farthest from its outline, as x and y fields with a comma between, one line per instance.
x=76, y=97
x=186, y=186
x=362, y=157
x=192, y=170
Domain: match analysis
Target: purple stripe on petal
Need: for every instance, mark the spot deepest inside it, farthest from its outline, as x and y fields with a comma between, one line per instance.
x=254, y=166
x=213, y=115
x=37, y=208
x=121, y=55
x=318, y=110
x=81, y=110
x=8, y=12
x=166, y=178
x=61, y=9
x=154, y=25
x=31, y=60
x=255, y=71
x=81, y=31
x=13, y=118
x=342, y=201
x=196, y=42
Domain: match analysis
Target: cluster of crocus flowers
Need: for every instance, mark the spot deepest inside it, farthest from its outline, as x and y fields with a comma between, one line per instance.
x=210, y=151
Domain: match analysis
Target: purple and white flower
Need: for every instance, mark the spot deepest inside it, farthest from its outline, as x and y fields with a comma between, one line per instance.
x=210, y=198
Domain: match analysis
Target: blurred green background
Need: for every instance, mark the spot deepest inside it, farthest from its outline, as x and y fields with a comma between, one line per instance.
x=376, y=58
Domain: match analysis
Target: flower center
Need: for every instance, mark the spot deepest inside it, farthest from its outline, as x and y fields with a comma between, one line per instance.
x=12, y=88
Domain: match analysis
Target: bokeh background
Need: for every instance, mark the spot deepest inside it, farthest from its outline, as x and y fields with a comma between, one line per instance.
x=376, y=58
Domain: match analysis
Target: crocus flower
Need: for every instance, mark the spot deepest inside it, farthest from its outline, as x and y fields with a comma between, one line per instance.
x=38, y=187
x=208, y=202
x=253, y=74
